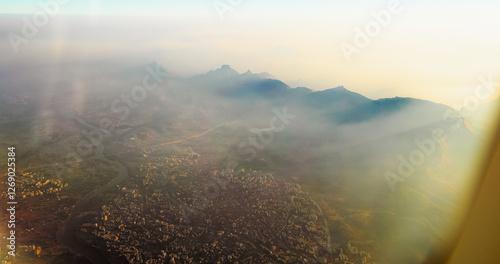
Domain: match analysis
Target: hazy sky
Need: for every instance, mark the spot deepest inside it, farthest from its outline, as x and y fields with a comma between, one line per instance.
x=428, y=49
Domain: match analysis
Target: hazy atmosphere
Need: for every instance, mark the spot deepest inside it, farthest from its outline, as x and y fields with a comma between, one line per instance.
x=428, y=50
x=233, y=131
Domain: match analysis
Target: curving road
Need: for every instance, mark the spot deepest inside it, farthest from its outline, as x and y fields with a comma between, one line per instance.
x=197, y=135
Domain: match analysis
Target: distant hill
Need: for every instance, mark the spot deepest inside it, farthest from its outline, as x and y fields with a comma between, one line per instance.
x=338, y=104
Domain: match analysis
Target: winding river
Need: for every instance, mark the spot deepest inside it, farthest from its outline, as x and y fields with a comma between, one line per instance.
x=67, y=234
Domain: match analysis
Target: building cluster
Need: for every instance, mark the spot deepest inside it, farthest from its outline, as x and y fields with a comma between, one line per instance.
x=173, y=211
x=32, y=184
x=352, y=255
x=39, y=203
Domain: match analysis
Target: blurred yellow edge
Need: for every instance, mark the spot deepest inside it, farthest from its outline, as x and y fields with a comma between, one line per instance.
x=479, y=239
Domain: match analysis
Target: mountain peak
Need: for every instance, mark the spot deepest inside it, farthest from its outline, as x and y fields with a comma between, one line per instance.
x=226, y=68
x=340, y=88
x=265, y=75
x=224, y=71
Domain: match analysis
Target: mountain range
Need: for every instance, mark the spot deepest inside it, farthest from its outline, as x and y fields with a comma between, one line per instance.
x=337, y=144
